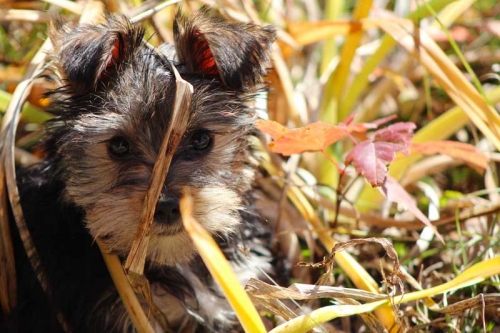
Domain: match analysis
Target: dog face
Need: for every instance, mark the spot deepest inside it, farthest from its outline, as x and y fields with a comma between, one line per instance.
x=113, y=108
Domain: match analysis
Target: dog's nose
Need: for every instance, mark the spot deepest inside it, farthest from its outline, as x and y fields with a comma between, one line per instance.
x=167, y=210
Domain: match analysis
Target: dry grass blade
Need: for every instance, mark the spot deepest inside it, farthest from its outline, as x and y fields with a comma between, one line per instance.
x=393, y=279
x=306, y=33
x=148, y=9
x=180, y=116
x=275, y=306
x=8, y=284
x=299, y=291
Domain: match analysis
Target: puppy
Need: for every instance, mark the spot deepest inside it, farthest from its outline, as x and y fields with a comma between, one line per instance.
x=111, y=110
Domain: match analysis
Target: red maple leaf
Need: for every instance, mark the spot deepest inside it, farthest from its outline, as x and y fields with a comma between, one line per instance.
x=371, y=157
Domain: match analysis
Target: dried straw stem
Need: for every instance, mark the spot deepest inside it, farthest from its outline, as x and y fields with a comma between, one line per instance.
x=180, y=116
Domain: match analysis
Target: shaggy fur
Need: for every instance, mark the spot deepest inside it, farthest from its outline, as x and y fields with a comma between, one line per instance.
x=112, y=108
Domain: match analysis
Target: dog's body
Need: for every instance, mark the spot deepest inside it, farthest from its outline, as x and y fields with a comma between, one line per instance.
x=111, y=110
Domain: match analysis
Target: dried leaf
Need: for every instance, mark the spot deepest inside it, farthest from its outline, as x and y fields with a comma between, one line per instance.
x=457, y=33
x=459, y=150
x=273, y=128
x=493, y=26
x=394, y=192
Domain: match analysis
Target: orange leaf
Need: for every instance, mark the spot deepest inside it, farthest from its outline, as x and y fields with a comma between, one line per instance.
x=273, y=128
x=459, y=150
x=313, y=137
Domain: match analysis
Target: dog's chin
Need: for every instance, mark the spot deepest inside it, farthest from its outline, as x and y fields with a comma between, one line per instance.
x=171, y=247
x=162, y=229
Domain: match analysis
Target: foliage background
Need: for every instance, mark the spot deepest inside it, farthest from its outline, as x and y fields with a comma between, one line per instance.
x=334, y=59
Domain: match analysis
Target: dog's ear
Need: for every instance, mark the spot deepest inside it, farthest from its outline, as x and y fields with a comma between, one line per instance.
x=85, y=54
x=238, y=53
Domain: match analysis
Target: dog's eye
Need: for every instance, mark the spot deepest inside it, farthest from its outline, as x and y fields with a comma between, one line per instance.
x=201, y=140
x=119, y=146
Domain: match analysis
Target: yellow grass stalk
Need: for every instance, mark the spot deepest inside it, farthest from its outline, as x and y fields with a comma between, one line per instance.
x=127, y=294
x=333, y=10
x=220, y=269
x=331, y=110
x=294, y=113
x=328, y=173
x=353, y=40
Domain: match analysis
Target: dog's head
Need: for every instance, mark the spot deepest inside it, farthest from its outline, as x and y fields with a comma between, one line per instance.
x=113, y=108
